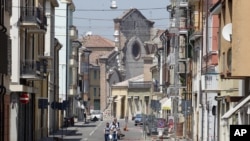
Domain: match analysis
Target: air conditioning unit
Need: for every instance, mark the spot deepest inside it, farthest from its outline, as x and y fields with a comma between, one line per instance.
x=73, y=32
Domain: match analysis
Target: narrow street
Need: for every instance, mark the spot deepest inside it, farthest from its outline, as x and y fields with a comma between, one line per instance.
x=93, y=131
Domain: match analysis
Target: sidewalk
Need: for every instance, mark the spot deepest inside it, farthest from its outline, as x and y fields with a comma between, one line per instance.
x=62, y=132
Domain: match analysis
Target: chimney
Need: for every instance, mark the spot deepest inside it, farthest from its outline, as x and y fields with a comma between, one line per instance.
x=148, y=62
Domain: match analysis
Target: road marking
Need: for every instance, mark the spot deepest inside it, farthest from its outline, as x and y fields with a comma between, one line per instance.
x=90, y=134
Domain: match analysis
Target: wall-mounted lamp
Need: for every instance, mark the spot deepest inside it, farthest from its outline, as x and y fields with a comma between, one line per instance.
x=113, y=4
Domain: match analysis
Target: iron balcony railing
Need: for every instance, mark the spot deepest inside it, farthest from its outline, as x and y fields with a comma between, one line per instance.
x=33, y=68
x=142, y=84
x=34, y=15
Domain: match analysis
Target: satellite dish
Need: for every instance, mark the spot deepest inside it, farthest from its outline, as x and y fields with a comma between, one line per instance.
x=227, y=32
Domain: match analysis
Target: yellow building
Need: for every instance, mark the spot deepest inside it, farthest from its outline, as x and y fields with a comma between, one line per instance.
x=131, y=97
x=234, y=66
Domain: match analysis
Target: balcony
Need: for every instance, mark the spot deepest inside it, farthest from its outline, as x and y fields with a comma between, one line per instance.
x=33, y=19
x=72, y=89
x=184, y=4
x=73, y=32
x=33, y=70
x=73, y=61
x=183, y=26
x=66, y=1
x=172, y=23
x=139, y=85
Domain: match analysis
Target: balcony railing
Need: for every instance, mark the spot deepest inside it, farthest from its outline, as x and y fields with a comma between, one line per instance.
x=31, y=69
x=33, y=17
x=143, y=84
x=73, y=61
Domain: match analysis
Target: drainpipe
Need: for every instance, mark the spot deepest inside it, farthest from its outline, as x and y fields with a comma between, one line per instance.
x=164, y=40
x=2, y=93
x=205, y=81
x=67, y=58
x=2, y=87
x=201, y=58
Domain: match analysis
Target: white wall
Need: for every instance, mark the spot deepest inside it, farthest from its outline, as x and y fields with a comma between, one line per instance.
x=60, y=34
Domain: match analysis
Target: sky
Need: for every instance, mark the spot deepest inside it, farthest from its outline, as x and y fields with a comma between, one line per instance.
x=97, y=17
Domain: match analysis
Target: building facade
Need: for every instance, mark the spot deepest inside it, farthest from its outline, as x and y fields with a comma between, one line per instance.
x=66, y=33
x=96, y=81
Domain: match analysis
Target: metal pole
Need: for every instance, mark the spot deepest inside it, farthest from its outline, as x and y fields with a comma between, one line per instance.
x=67, y=58
x=176, y=46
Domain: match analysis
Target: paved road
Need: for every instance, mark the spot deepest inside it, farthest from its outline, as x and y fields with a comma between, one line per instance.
x=93, y=131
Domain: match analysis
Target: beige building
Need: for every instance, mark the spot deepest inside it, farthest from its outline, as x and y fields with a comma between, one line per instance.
x=234, y=68
x=94, y=86
x=133, y=96
x=100, y=47
x=32, y=69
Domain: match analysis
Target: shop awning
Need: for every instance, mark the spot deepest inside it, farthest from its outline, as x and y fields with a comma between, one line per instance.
x=229, y=113
x=163, y=100
x=167, y=104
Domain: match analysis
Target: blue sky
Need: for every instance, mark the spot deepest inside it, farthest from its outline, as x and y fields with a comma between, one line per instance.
x=97, y=17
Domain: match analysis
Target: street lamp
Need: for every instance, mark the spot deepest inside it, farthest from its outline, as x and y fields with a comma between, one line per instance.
x=113, y=4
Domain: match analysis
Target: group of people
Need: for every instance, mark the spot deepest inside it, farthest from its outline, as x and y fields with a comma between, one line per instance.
x=112, y=130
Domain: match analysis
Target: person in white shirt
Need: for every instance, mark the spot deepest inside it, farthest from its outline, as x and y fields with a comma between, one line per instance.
x=114, y=129
x=107, y=131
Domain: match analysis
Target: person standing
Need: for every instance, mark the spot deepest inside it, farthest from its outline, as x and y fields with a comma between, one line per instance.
x=85, y=116
x=114, y=130
x=126, y=124
x=106, y=132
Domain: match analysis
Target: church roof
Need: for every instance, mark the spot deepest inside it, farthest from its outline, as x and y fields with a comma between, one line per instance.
x=129, y=12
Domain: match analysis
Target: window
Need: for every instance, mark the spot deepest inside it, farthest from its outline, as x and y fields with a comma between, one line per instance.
x=94, y=91
x=223, y=62
x=99, y=92
x=95, y=74
x=136, y=51
x=97, y=104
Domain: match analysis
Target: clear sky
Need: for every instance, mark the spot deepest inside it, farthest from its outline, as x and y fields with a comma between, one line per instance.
x=97, y=17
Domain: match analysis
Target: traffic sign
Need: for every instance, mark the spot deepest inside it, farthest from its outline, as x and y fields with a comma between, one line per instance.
x=24, y=98
x=161, y=123
x=54, y=105
x=43, y=103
